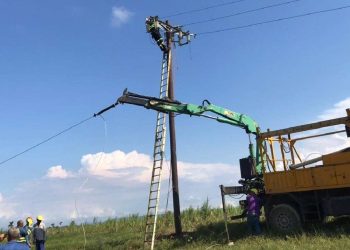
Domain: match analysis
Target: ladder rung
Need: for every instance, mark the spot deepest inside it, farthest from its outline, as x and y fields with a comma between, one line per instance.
x=153, y=183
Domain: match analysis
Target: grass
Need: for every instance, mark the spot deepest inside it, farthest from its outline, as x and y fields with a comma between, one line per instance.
x=204, y=229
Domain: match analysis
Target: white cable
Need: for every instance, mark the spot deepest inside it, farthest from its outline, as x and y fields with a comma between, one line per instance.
x=313, y=153
x=169, y=183
x=82, y=224
x=212, y=246
x=87, y=178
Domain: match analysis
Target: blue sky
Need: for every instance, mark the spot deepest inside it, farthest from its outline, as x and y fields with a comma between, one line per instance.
x=62, y=61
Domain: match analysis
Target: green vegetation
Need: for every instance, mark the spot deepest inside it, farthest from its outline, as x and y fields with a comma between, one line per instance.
x=204, y=229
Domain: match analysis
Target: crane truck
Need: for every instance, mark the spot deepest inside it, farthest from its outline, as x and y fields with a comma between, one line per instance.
x=293, y=191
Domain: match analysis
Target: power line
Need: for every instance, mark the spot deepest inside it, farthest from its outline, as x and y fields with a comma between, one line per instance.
x=274, y=20
x=241, y=13
x=203, y=9
x=46, y=140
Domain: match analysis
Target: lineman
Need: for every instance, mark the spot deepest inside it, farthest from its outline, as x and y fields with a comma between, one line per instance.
x=153, y=28
x=253, y=211
x=12, y=241
x=39, y=233
x=26, y=231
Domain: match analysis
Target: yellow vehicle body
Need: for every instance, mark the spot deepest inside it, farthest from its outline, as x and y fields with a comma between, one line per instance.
x=333, y=173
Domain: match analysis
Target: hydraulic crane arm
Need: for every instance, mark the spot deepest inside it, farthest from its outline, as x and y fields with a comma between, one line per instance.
x=223, y=115
x=166, y=106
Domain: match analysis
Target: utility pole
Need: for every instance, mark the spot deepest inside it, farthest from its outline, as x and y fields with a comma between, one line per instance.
x=174, y=176
x=154, y=25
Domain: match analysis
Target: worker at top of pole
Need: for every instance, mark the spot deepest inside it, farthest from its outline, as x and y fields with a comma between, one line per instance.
x=152, y=26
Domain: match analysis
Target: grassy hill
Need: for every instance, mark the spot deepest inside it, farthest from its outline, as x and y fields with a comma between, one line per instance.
x=204, y=229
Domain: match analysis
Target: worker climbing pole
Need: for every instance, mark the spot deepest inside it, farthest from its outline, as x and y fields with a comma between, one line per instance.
x=164, y=35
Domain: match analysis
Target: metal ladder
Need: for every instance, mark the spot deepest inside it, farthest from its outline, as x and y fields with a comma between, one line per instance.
x=158, y=156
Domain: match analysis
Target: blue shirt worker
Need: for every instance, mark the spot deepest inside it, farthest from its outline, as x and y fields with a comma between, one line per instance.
x=253, y=211
x=12, y=238
x=26, y=231
x=20, y=226
x=39, y=233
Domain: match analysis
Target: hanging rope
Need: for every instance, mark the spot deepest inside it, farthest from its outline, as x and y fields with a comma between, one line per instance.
x=169, y=185
x=87, y=178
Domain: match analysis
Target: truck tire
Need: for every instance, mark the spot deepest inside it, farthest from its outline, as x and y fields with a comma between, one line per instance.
x=285, y=219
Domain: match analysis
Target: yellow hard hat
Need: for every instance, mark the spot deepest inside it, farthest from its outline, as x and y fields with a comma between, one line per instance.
x=254, y=190
x=40, y=217
x=29, y=220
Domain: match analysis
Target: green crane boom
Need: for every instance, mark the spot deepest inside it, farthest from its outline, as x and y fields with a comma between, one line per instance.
x=162, y=105
x=204, y=110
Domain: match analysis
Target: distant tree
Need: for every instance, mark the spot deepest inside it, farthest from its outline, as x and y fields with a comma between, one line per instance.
x=53, y=225
x=94, y=220
x=205, y=208
x=60, y=223
x=72, y=223
x=11, y=223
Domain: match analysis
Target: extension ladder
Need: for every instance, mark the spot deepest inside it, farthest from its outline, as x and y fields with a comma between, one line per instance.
x=158, y=156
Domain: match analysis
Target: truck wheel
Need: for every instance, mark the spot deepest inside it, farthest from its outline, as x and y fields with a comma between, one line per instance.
x=285, y=219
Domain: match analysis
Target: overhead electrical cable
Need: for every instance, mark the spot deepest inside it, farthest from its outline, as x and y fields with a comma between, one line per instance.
x=205, y=8
x=46, y=140
x=273, y=20
x=242, y=13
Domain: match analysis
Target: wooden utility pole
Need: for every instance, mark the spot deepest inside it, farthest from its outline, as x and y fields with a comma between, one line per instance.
x=154, y=26
x=175, y=182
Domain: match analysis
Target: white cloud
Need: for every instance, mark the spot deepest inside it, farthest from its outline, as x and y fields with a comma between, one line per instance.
x=137, y=167
x=206, y=172
x=314, y=147
x=58, y=172
x=6, y=208
x=338, y=110
x=116, y=164
x=120, y=15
